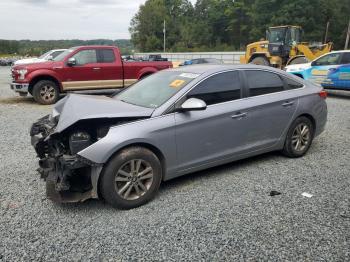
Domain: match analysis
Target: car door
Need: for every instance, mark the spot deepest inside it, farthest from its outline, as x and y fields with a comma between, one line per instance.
x=110, y=67
x=318, y=71
x=339, y=77
x=269, y=109
x=85, y=74
x=212, y=134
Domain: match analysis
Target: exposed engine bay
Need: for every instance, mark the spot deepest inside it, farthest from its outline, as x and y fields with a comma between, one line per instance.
x=69, y=177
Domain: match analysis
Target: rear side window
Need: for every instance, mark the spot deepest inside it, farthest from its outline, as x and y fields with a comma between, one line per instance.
x=345, y=58
x=261, y=83
x=293, y=84
x=219, y=88
x=106, y=56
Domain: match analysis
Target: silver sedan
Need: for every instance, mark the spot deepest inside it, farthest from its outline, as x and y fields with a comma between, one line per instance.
x=170, y=124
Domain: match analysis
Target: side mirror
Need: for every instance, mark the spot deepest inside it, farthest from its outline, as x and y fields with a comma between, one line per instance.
x=192, y=104
x=50, y=58
x=71, y=61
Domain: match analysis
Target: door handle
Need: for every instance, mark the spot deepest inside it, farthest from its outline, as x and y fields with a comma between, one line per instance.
x=239, y=115
x=288, y=103
x=96, y=68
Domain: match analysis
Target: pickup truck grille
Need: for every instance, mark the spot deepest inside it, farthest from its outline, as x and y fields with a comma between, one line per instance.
x=13, y=75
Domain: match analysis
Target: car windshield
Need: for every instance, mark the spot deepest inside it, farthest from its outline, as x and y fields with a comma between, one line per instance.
x=156, y=89
x=61, y=56
x=45, y=54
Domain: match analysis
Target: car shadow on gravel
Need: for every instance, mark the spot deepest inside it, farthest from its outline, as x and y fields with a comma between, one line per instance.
x=17, y=100
x=173, y=185
x=217, y=171
x=167, y=187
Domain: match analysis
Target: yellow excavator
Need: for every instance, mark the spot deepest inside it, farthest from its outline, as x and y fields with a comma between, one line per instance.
x=283, y=47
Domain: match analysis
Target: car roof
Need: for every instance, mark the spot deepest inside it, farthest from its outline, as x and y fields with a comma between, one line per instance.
x=93, y=46
x=211, y=68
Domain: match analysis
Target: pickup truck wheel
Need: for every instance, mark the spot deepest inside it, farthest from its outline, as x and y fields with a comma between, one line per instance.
x=131, y=178
x=45, y=92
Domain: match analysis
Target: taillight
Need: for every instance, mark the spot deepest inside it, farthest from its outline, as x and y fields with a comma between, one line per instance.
x=323, y=94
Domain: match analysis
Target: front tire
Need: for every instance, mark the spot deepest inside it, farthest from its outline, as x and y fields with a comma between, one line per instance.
x=299, y=138
x=45, y=92
x=131, y=178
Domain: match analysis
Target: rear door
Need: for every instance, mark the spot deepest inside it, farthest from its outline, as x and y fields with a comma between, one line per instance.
x=110, y=67
x=269, y=109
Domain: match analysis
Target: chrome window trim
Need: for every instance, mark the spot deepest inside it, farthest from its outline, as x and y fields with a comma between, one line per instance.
x=242, y=98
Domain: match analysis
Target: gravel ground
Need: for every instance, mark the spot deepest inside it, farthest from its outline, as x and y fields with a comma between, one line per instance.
x=224, y=213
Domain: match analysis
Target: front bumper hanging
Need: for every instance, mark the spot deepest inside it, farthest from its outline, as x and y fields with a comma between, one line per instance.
x=69, y=178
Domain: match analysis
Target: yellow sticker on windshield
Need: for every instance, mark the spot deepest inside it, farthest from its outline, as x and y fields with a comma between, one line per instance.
x=177, y=83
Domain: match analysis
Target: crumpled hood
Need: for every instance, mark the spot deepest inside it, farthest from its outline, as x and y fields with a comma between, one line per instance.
x=76, y=107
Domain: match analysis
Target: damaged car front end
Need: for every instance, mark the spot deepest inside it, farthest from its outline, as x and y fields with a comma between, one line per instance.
x=70, y=177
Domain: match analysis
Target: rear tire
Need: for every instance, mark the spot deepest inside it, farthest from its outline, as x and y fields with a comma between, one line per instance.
x=260, y=60
x=131, y=178
x=45, y=92
x=299, y=138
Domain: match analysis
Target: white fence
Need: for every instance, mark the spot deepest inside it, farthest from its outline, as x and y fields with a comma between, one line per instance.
x=226, y=57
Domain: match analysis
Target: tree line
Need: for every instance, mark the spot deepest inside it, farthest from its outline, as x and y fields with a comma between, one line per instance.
x=219, y=25
x=36, y=48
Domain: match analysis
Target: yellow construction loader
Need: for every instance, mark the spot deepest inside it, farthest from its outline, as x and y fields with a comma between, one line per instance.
x=283, y=47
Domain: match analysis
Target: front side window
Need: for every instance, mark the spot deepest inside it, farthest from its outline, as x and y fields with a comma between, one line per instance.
x=261, y=83
x=219, y=88
x=85, y=57
x=330, y=59
x=156, y=89
x=106, y=56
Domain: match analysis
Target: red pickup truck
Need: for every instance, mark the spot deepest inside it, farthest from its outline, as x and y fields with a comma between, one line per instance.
x=88, y=68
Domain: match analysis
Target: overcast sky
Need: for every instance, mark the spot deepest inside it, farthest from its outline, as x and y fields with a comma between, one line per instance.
x=66, y=19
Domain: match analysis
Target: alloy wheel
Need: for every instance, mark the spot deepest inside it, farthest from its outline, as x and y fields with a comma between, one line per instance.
x=133, y=179
x=301, y=137
x=48, y=93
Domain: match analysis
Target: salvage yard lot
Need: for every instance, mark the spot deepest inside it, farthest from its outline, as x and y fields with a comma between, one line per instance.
x=223, y=213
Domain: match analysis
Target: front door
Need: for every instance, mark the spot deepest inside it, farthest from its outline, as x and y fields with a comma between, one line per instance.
x=212, y=134
x=85, y=74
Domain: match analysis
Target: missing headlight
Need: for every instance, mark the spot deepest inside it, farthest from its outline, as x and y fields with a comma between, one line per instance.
x=102, y=132
x=79, y=141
